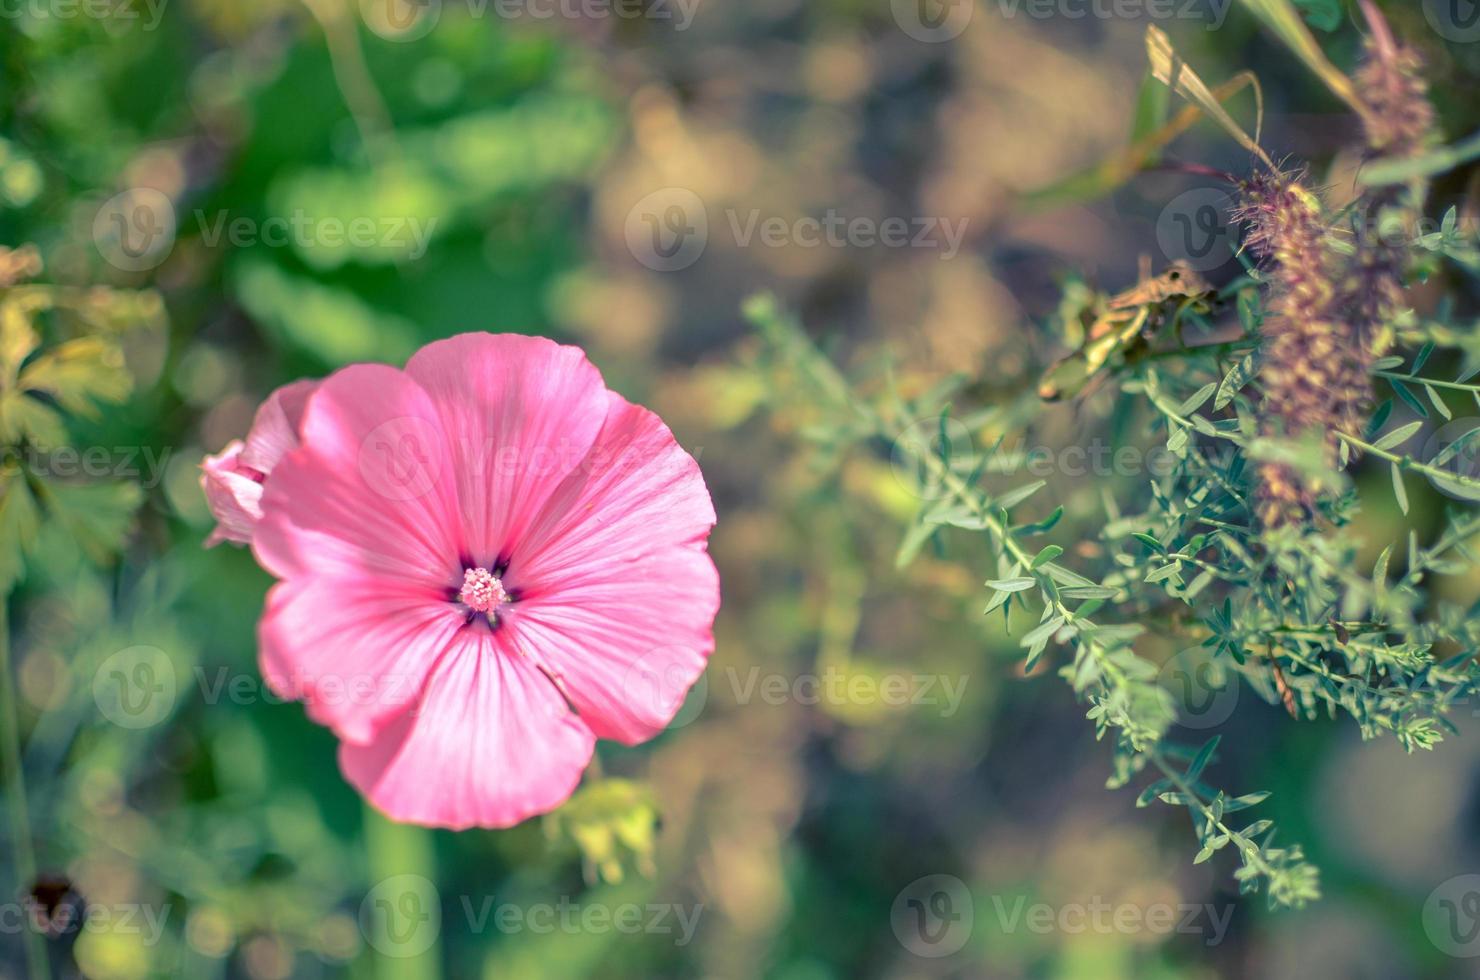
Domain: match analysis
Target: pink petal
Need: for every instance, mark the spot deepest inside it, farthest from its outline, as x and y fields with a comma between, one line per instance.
x=626, y=645
x=491, y=744
x=274, y=431
x=234, y=495
x=519, y=413
x=617, y=595
x=369, y=493
x=636, y=492
x=357, y=652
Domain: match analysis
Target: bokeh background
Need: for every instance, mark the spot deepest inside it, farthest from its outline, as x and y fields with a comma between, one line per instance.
x=588, y=171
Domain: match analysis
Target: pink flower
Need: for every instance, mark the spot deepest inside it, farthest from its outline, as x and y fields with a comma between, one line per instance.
x=233, y=479
x=487, y=561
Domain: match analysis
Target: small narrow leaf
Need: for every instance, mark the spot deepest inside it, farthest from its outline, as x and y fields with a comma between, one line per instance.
x=1400, y=491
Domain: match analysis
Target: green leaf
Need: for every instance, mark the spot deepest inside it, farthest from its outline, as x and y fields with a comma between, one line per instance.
x=1235, y=379
x=20, y=520
x=98, y=516
x=1285, y=21
x=1195, y=402
x=1204, y=755
x=1014, y=497
x=1164, y=572
x=1012, y=584
x=25, y=419
x=1430, y=164
x=1047, y=524
x=1245, y=801
x=1398, y=436
x=1172, y=71
x=1149, y=542
x=1152, y=792
x=914, y=539
x=1424, y=353
x=1400, y=491
x=1088, y=592
x=1042, y=632
x=1046, y=555
x=79, y=374
x=1408, y=397
x=1438, y=402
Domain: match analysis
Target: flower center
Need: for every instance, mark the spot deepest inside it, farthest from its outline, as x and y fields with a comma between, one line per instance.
x=482, y=591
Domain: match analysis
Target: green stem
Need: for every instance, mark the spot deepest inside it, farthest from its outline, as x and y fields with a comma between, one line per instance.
x=20, y=819
x=1409, y=463
x=1250, y=850
x=1454, y=385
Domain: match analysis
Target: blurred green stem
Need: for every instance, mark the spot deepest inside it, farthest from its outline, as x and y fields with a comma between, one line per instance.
x=15, y=797
x=402, y=854
x=356, y=84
